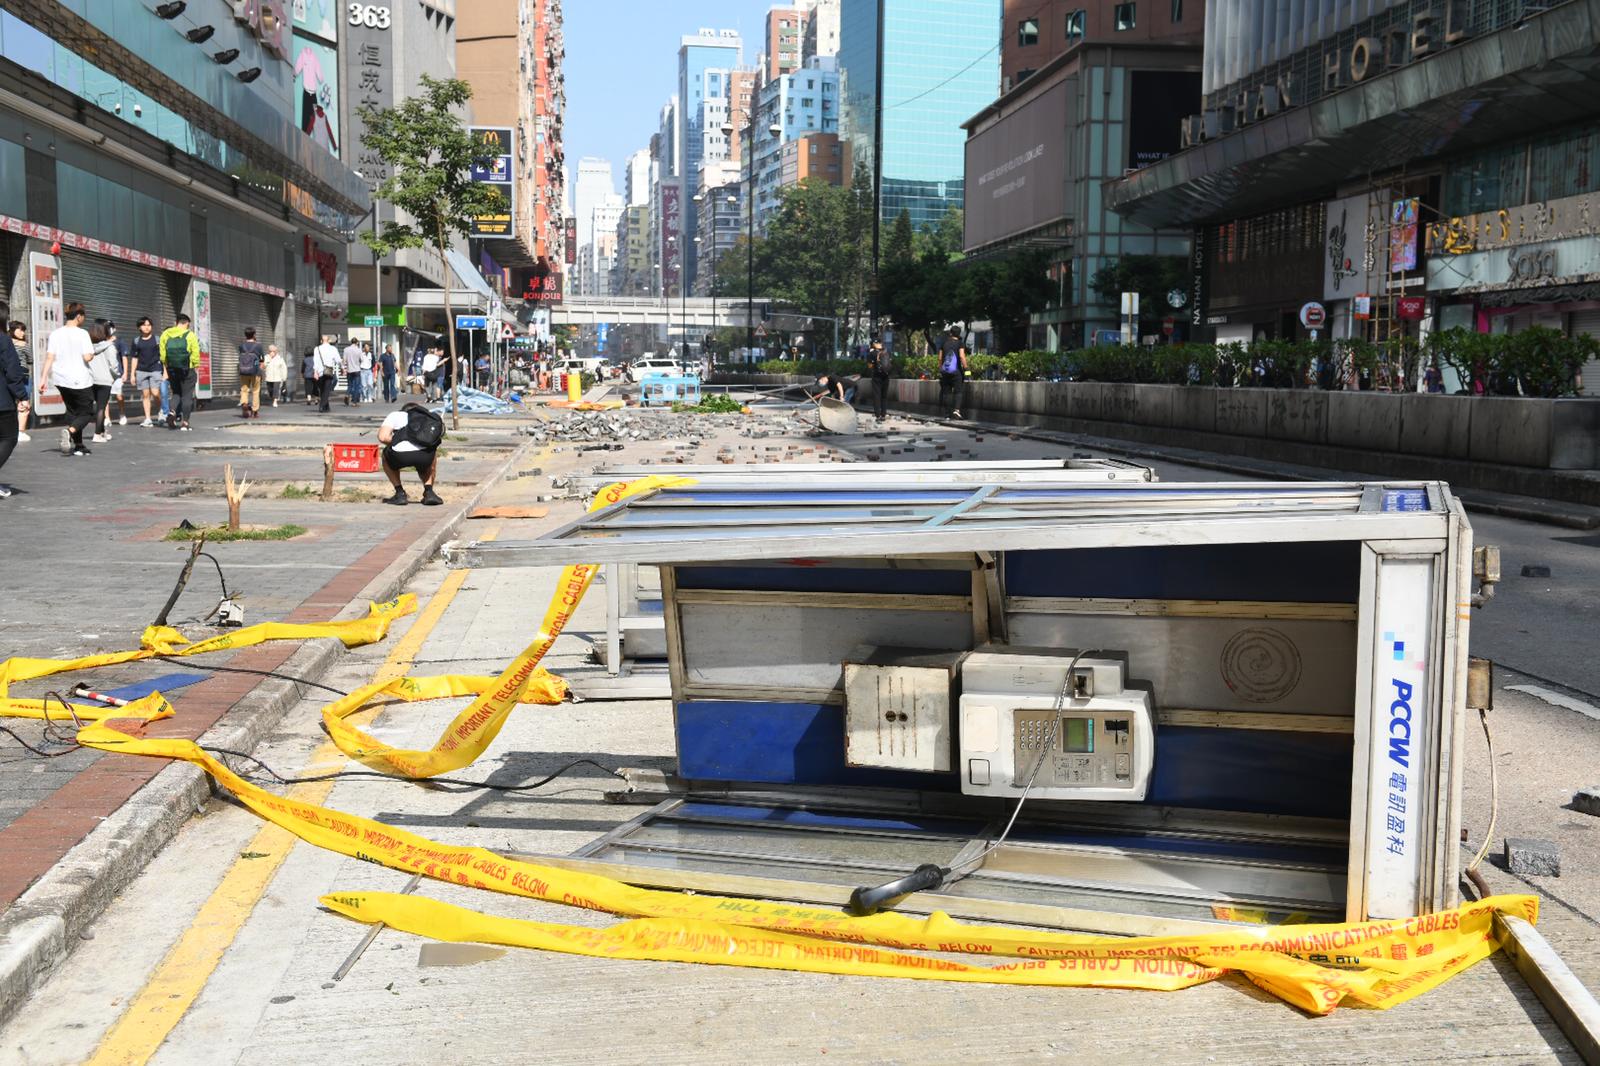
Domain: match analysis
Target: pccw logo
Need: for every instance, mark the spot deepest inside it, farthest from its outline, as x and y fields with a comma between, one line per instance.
x=1400, y=712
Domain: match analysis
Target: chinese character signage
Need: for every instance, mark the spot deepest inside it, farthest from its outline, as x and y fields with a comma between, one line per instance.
x=368, y=83
x=1403, y=236
x=1355, y=245
x=671, y=235
x=495, y=170
x=570, y=242
x=542, y=288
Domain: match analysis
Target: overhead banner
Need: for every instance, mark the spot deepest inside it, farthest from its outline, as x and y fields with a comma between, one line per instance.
x=498, y=172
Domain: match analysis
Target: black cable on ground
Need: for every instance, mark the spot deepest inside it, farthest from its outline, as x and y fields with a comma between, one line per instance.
x=42, y=754
x=425, y=780
x=247, y=670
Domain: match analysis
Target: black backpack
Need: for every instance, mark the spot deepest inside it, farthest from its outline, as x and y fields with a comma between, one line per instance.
x=423, y=428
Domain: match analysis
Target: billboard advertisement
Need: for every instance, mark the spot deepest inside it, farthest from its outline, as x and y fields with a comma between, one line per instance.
x=200, y=314
x=1158, y=102
x=1016, y=169
x=318, y=17
x=316, y=83
x=44, y=292
x=497, y=172
x=1403, y=236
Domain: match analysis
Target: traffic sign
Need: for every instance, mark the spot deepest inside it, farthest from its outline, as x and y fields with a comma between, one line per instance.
x=472, y=322
x=373, y=320
x=1169, y=325
x=506, y=332
x=1313, y=315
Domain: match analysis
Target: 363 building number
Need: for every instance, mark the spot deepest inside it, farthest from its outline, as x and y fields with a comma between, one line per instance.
x=371, y=16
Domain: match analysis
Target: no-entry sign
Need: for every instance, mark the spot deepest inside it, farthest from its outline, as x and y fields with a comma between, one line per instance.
x=1313, y=315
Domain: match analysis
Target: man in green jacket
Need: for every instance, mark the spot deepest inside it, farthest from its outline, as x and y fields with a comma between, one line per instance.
x=180, y=350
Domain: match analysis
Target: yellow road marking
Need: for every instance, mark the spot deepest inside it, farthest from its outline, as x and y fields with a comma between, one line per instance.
x=177, y=982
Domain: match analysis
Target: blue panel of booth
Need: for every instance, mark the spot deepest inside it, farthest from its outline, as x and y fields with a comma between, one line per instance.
x=803, y=578
x=1253, y=770
x=1315, y=572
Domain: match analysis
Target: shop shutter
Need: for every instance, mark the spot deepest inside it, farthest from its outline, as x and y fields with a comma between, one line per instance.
x=232, y=311
x=1588, y=322
x=119, y=291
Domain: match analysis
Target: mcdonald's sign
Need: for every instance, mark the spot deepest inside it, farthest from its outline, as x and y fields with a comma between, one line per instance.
x=495, y=169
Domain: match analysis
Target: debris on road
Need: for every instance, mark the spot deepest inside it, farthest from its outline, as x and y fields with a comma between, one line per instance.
x=1587, y=801
x=1530, y=857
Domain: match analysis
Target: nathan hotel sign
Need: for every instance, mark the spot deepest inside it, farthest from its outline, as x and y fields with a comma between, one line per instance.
x=1257, y=78
x=1519, y=252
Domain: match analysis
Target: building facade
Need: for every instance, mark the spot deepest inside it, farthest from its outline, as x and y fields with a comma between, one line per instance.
x=1038, y=157
x=180, y=164
x=1411, y=168
x=1034, y=33
x=704, y=62
x=720, y=217
x=511, y=52
x=785, y=34
x=793, y=105
x=816, y=156
x=822, y=31
x=908, y=82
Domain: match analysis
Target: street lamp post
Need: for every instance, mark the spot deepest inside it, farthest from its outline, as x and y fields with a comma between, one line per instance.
x=774, y=130
x=683, y=291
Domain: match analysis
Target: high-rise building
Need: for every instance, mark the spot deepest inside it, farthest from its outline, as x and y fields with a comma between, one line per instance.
x=380, y=68
x=173, y=181
x=909, y=81
x=511, y=52
x=666, y=217
x=785, y=31
x=593, y=185
x=719, y=210
x=802, y=102
x=822, y=31
x=704, y=62
x=636, y=178
x=603, y=227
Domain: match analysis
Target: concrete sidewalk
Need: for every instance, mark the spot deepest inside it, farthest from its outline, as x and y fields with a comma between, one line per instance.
x=75, y=828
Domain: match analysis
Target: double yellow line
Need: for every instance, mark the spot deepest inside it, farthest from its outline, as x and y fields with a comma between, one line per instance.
x=177, y=982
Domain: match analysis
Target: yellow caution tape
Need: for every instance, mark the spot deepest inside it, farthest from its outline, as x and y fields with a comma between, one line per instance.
x=522, y=681
x=166, y=641
x=1314, y=967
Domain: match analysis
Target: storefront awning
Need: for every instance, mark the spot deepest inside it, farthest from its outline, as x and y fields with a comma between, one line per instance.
x=1536, y=75
x=468, y=274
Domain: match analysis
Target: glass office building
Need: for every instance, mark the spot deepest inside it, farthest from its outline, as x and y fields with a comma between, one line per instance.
x=704, y=63
x=170, y=161
x=910, y=76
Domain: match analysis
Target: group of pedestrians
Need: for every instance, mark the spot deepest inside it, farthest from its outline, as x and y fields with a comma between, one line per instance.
x=364, y=373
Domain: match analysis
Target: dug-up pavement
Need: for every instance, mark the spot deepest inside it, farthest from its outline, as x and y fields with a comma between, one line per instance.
x=219, y=952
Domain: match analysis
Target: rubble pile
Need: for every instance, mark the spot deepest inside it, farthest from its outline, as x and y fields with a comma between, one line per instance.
x=638, y=424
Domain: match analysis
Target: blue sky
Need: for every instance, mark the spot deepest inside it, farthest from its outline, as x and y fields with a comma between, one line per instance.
x=622, y=65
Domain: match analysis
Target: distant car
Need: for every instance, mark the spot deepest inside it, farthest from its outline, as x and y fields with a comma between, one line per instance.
x=581, y=366
x=660, y=364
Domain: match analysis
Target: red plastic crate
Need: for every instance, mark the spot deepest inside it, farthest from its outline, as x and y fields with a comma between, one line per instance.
x=355, y=458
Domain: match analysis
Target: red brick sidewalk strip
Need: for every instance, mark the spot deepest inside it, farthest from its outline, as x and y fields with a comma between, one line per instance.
x=38, y=839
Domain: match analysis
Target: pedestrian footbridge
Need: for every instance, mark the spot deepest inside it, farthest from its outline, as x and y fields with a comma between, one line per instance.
x=694, y=312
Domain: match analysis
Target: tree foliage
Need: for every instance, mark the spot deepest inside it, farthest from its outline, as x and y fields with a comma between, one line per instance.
x=1151, y=276
x=429, y=155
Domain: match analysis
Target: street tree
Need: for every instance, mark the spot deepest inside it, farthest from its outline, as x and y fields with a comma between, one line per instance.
x=428, y=155
x=1151, y=276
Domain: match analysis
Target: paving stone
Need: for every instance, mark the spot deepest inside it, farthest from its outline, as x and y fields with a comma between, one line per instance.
x=1530, y=857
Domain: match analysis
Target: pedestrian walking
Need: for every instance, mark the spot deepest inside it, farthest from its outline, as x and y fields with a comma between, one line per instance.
x=410, y=438
x=881, y=363
x=386, y=365
x=308, y=374
x=430, y=373
x=352, y=373
x=15, y=401
x=251, y=358
x=277, y=375
x=146, y=371
x=124, y=374
x=327, y=365
x=952, y=373
x=67, y=355
x=103, y=371
x=18, y=332
x=368, y=393
x=180, y=350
